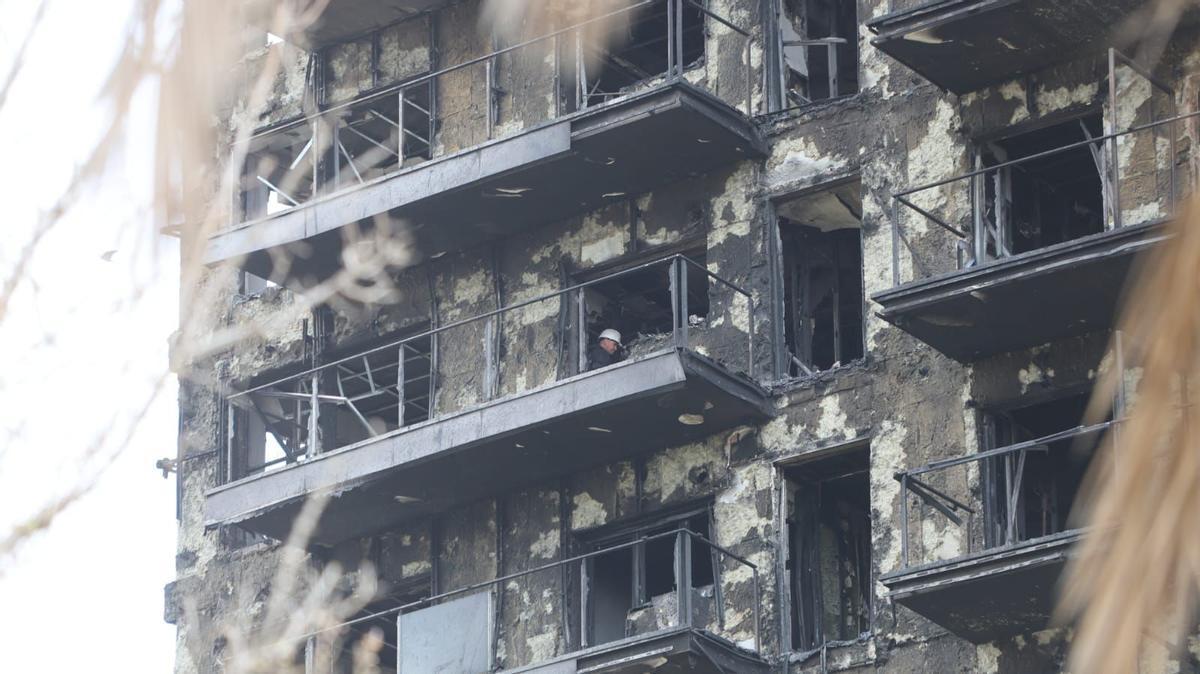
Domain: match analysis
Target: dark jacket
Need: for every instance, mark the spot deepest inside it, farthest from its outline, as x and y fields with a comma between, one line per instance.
x=598, y=357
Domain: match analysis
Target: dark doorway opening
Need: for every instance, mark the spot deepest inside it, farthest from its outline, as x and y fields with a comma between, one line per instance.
x=1029, y=493
x=1056, y=198
x=829, y=551
x=823, y=292
x=819, y=45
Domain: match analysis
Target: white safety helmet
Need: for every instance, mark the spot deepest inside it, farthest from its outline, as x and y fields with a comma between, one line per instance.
x=611, y=334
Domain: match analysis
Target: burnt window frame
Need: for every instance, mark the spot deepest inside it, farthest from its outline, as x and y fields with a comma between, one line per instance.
x=694, y=247
x=801, y=596
x=992, y=235
x=605, y=53
x=800, y=362
x=843, y=48
x=704, y=567
x=994, y=478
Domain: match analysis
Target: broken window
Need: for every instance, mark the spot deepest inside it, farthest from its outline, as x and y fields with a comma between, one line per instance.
x=819, y=46
x=635, y=47
x=1044, y=201
x=626, y=587
x=362, y=397
x=823, y=292
x=278, y=171
x=1028, y=493
x=829, y=551
x=639, y=305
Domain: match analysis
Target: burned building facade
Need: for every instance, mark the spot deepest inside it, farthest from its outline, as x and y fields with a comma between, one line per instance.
x=864, y=258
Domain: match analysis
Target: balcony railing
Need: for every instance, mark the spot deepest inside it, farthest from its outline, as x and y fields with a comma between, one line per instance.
x=1137, y=185
x=379, y=390
x=974, y=501
x=394, y=127
x=564, y=592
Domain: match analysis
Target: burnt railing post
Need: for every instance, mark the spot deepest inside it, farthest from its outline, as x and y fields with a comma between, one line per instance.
x=904, y=520
x=756, y=589
x=489, y=74
x=314, y=418
x=678, y=279
x=400, y=129
x=400, y=379
x=671, y=38
x=678, y=14
x=581, y=336
x=683, y=577
x=831, y=48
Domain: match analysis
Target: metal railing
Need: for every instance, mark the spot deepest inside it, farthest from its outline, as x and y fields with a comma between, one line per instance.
x=294, y=412
x=377, y=133
x=979, y=494
x=571, y=622
x=982, y=230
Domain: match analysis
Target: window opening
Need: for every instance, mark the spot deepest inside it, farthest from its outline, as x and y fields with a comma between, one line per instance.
x=829, y=552
x=1046, y=478
x=278, y=172
x=823, y=292
x=624, y=581
x=638, y=305
x=819, y=46
x=1045, y=201
x=633, y=51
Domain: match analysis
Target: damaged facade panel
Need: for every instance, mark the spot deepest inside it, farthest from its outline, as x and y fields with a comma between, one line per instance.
x=858, y=322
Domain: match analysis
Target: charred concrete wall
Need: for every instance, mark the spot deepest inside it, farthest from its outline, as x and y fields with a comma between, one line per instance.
x=912, y=404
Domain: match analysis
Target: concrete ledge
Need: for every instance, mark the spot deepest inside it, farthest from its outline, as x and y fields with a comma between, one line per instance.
x=991, y=594
x=1072, y=288
x=965, y=45
x=577, y=423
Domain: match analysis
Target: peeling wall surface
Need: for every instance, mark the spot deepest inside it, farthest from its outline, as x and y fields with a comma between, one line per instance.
x=910, y=403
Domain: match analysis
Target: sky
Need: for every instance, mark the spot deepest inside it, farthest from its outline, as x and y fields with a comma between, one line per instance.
x=84, y=338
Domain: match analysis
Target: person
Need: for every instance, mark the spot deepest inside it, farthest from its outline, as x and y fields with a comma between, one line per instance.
x=606, y=351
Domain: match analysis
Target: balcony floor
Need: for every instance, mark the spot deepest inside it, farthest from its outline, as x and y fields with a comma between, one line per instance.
x=524, y=439
x=964, y=45
x=988, y=595
x=666, y=652
x=1021, y=301
x=571, y=165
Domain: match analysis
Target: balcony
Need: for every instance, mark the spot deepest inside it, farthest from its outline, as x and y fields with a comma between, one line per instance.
x=447, y=155
x=1016, y=542
x=1057, y=246
x=368, y=427
x=707, y=623
x=344, y=19
x=965, y=45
